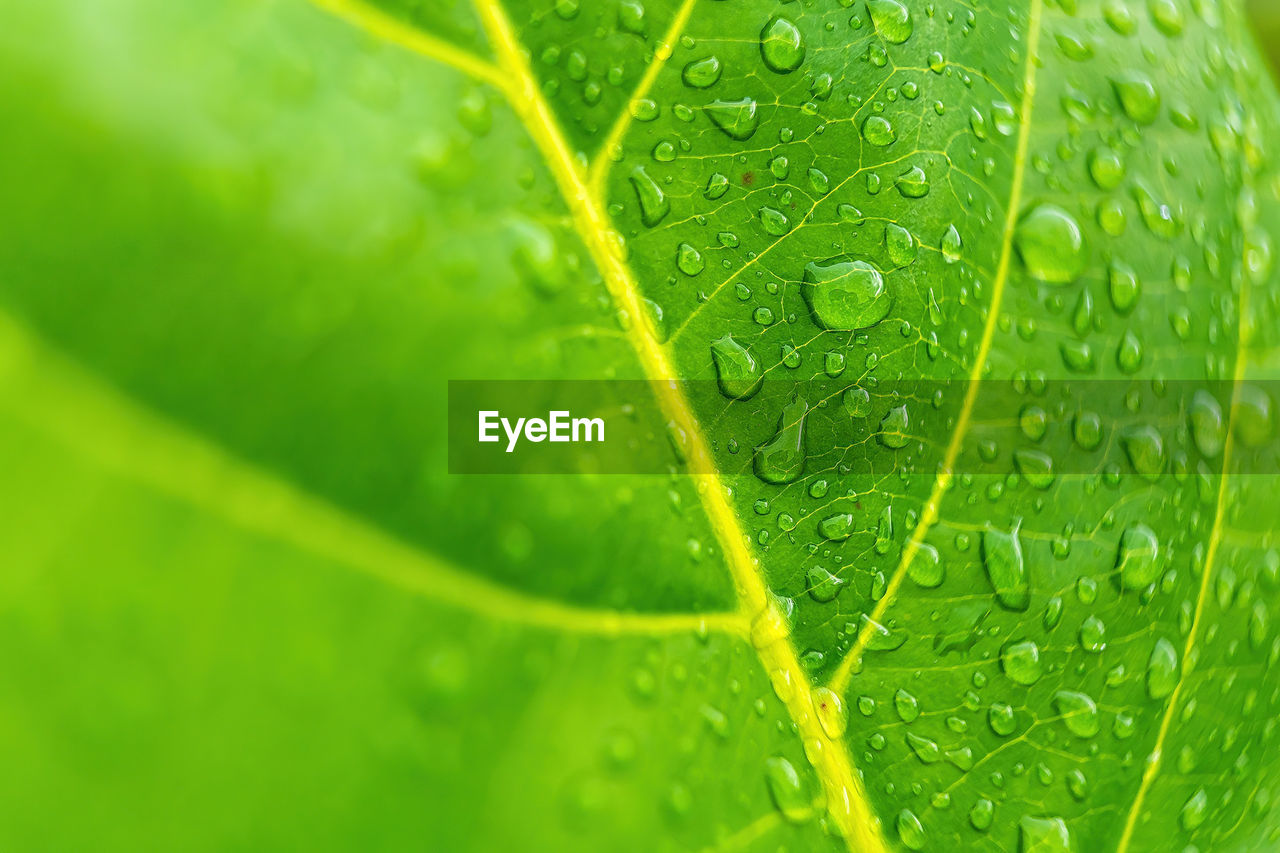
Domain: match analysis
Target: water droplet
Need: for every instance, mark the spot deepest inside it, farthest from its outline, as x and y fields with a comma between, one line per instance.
x=737, y=371
x=857, y=402
x=782, y=459
x=1051, y=244
x=823, y=586
x=908, y=706
x=689, y=260
x=631, y=17
x=1145, y=449
x=717, y=186
x=926, y=568
x=878, y=131
x=1194, y=810
x=1167, y=17
x=775, y=222
x=1001, y=718
x=925, y=749
x=1123, y=287
x=891, y=19
x=701, y=73
x=1093, y=634
x=1138, y=557
x=1255, y=417
x=913, y=183
x=951, y=245
x=653, y=203
x=899, y=244
x=831, y=712
x=1162, y=669
x=1208, y=430
x=1020, y=660
x=879, y=638
x=982, y=813
x=1129, y=354
x=789, y=792
x=846, y=295
x=1035, y=466
x=1106, y=168
x=738, y=119
x=781, y=45
x=893, y=432
x=1006, y=569
x=1043, y=835
x=1138, y=96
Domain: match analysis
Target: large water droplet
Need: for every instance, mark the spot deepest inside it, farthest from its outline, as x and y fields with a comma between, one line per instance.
x=701, y=73
x=846, y=295
x=878, y=131
x=789, y=792
x=653, y=203
x=913, y=183
x=1020, y=660
x=1145, y=448
x=1079, y=712
x=831, y=712
x=737, y=371
x=781, y=45
x=1006, y=569
x=926, y=567
x=907, y=706
x=738, y=119
x=892, y=20
x=1194, y=810
x=1138, y=557
x=1138, y=96
x=894, y=428
x=924, y=749
x=1043, y=835
x=1162, y=669
x=1051, y=245
x=1208, y=430
x=782, y=459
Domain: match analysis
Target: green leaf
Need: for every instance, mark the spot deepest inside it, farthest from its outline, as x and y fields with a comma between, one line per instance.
x=1019, y=593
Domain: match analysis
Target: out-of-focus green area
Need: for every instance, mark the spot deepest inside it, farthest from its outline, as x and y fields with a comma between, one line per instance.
x=1266, y=20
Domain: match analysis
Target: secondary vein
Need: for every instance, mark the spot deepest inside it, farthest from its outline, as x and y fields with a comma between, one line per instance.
x=661, y=53
x=929, y=516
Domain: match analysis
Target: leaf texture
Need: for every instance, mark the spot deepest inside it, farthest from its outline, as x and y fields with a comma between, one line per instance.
x=1022, y=599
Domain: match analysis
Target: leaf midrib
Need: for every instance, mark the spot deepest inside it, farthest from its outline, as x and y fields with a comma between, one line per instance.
x=848, y=803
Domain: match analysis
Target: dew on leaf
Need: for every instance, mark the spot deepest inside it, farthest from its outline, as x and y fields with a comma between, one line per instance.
x=689, y=260
x=1005, y=568
x=926, y=568
x=1138, y=96
x=823, y=586
x=774, y=221
x=846, y=295
x=782, y=459
x=1137, y=558
x=738, y=119
x=836, y=528
x=1051, y=245
x=893, y=432
x=907, y=706
x=1001, y=719
x=701, y=73
x=899, y=244
x=982, y=813
x=1020, y=660
x=781, y=45
x=924, y=749
x=951, y=245
x=788, y=790
x=878, y=131
x=1043, y=835
x=913, y=183
x=892, y=20
x=1162, y=669
x=737, y=371
x=653, y=203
